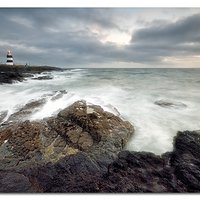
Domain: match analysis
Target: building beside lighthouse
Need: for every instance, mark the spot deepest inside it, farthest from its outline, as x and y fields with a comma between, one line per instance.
x=9, y=58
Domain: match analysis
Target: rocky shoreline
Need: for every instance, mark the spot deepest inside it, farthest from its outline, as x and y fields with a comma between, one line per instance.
x=11, y=74
x=81, y=150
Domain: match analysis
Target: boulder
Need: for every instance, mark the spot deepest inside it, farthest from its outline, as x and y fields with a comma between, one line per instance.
x=73, y=130
x=75, y=142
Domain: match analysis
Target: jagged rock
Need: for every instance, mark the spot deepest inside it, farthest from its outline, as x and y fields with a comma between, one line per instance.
x=100, y=124
x=176, y=171
x=130, y=172
x=137, y=172
x=26, y=111
x=170, y=104
x=22, y=139
x=78, y=136
x=185, y=159
x=73, y=130
x=76, y=151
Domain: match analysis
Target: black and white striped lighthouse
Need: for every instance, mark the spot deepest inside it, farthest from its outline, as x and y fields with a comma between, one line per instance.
x=9, y=58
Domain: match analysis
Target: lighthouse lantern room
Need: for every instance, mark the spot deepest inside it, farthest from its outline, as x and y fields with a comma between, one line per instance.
x=9, y=58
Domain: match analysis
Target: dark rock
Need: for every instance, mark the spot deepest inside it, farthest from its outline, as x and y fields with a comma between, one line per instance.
x=187, y=142
x=185, y=159
x=72, y=174
x=27, y=75
x=130, y=172
x=47, y=77
x=77, y=151
x=26, y=111
x=176, y=171
x=10, y=77
x=170, y=104
x=11, y=74
x=14, y=182
x=74, y=137
x=136, y=172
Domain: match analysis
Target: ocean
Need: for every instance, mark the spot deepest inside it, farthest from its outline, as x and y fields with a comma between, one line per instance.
x=129, y=93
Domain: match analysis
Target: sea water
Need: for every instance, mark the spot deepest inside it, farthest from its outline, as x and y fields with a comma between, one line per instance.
x=129, y=93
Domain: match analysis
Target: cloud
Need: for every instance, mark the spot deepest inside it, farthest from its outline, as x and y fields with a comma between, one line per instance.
x=184, y=30
x=73, y=37
x=168, y=39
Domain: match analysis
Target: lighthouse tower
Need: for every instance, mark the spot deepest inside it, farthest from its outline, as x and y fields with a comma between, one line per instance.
x=9, y=58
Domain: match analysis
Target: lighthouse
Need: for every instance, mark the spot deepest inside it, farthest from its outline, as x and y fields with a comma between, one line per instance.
x=9, y=58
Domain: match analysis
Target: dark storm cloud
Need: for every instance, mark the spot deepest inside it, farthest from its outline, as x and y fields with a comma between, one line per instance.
x=184, y=30
x=168, y=39
x=29, y=28
x=63, y=37
x=43, y=17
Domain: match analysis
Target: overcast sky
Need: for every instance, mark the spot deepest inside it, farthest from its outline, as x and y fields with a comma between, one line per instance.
x=96, y=37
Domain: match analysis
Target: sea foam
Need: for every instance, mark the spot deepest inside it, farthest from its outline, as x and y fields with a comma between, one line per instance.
x=128, y=93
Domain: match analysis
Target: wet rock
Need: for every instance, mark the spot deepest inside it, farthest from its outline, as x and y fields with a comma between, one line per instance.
x=98, y=123
x=77, y=151
x=58, y=95
x=135, y=172
x=68, y=174
x=185, y=159
x=170, y=104
x=11, y=74
x=5, y=135
x=59, y=142
x=27, y=75
x=14, y=182
x=176, y=171
x=74, y=134
x=85, y=141
x=23, y=138
x=3, y=114
x=47, y=77
x=10, y=77
x=73, y=130
x=26, y=111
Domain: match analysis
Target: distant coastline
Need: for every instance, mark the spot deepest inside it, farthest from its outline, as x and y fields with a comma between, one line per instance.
x=28, y=68
x=10, y=74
